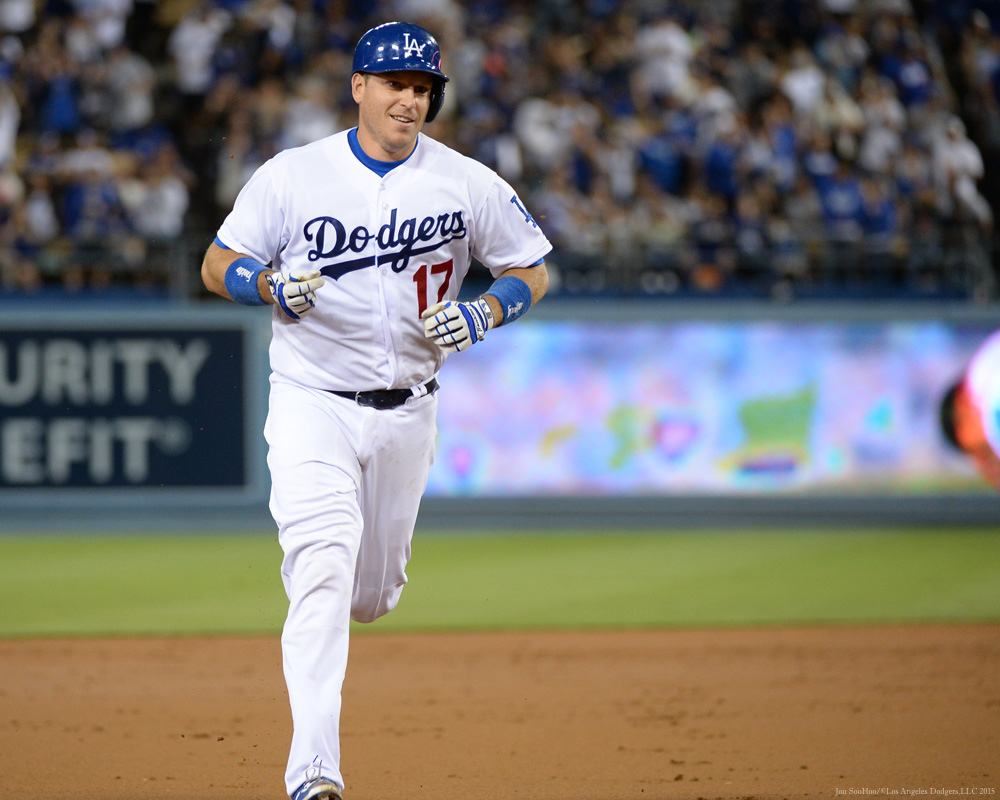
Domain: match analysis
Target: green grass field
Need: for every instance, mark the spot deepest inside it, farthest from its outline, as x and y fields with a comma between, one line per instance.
x=182, y=584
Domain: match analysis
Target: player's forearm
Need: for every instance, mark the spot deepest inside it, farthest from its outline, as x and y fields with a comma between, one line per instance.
x=456, y=326
x=215, y=266
x=537, y=279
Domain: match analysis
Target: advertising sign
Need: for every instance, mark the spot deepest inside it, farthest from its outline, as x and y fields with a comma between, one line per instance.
x=101, y=407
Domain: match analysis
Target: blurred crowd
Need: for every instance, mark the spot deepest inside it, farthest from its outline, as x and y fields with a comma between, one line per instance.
x=773, y=148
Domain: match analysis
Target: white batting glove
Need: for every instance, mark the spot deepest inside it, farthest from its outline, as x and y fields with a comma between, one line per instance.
x=296, y=293
x=456, y=326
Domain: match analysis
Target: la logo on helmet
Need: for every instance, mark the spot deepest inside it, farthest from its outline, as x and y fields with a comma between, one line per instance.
x=411, y=46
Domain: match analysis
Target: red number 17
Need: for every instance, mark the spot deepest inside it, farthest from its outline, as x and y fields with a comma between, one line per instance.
x=420, y=278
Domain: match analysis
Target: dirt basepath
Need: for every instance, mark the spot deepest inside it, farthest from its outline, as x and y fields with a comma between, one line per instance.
x=771, y=713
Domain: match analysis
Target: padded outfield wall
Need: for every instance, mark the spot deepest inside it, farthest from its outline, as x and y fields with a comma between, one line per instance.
x=586, y=412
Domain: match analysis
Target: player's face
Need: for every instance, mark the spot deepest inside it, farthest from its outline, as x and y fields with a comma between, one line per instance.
x=393, y=107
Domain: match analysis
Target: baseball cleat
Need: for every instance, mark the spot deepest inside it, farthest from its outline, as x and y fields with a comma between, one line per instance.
x=318, y=789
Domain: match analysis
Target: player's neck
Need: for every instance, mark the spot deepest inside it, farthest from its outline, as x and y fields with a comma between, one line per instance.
x=377, y=151
x=356, y=137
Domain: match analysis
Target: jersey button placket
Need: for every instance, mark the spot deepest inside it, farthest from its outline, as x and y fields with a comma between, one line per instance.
x=385, y=207
x=386, y=301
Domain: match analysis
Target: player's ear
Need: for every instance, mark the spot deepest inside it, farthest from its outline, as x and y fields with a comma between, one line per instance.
x=358, y=81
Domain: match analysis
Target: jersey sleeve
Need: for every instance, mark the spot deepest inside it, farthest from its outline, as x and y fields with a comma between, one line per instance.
x=255, y=225
x=506, y=234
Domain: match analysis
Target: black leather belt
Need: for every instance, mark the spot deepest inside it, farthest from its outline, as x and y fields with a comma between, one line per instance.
x=389, y=398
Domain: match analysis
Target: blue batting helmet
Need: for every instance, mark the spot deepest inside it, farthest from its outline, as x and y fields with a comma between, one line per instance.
x=397, y=46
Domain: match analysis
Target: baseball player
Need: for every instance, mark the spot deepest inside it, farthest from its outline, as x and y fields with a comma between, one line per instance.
x=970, y=410
x=361, y=241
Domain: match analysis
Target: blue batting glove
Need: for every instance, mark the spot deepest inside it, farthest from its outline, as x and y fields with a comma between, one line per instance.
x=295, y=293
x=454, y=326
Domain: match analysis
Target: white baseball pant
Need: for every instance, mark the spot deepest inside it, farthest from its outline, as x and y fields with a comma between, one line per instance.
x=346, y=483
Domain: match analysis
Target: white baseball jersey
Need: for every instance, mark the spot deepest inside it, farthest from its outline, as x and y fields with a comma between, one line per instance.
x=389, y=247
x=983, y=383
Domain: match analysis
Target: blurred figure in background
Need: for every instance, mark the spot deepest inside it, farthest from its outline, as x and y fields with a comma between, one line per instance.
x=970, y=410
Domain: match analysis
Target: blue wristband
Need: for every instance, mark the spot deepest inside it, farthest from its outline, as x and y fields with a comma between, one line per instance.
x=241, y=281
x=514, y=296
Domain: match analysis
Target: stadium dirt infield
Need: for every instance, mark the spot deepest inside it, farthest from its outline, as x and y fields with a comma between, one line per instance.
x=762, y=713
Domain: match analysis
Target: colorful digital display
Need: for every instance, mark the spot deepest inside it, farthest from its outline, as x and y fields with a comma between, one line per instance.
x=581, y=408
